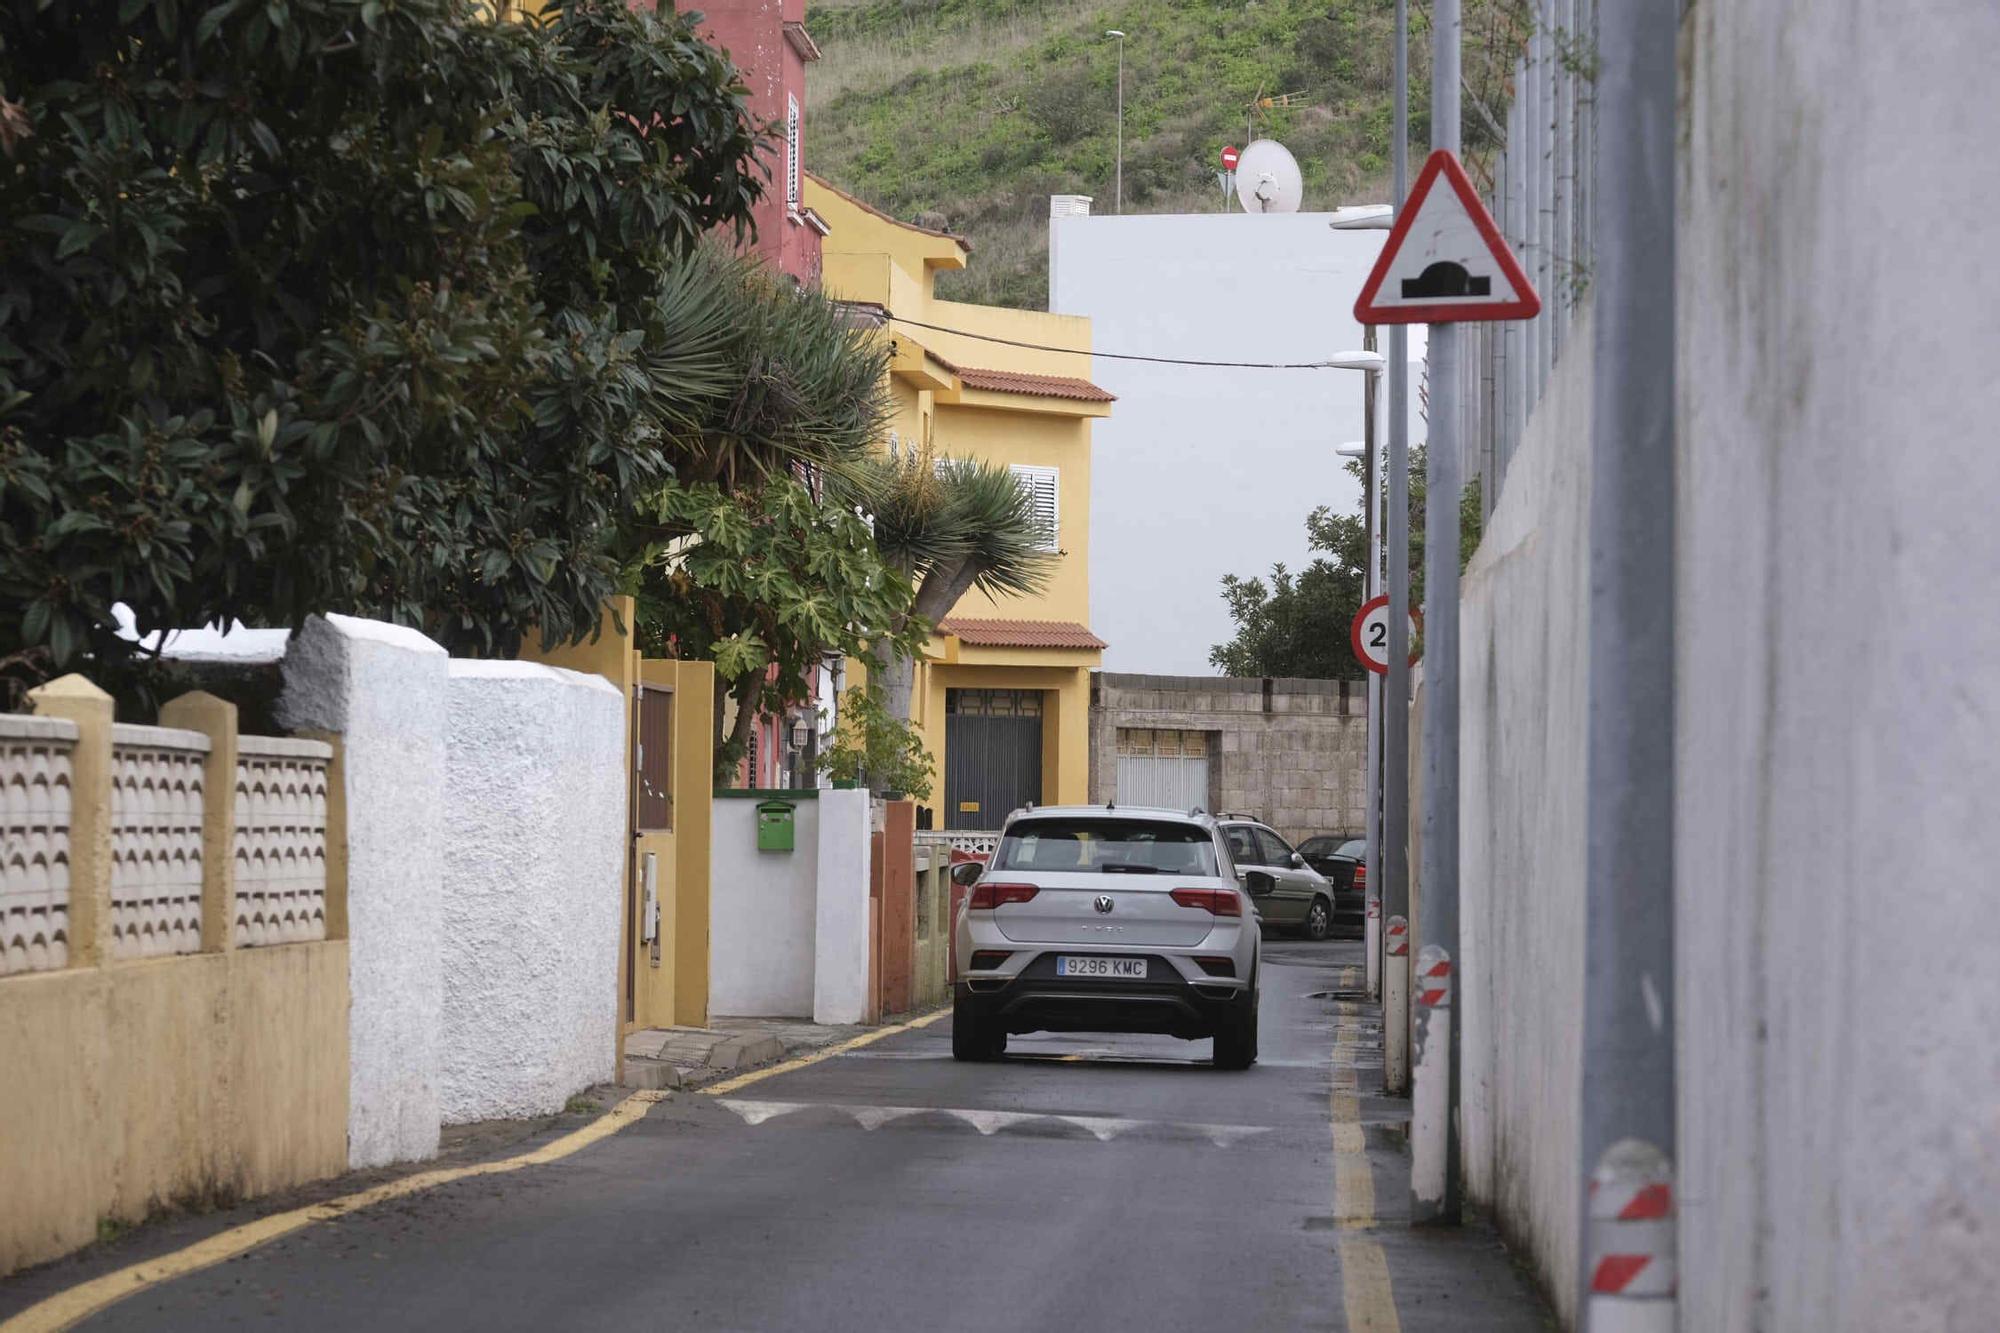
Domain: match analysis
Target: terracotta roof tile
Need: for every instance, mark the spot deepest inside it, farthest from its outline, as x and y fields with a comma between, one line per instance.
x=1043, y=386
x=1021, y=633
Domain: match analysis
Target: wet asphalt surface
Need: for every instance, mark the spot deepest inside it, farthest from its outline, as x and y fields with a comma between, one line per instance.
x=1083, y=1183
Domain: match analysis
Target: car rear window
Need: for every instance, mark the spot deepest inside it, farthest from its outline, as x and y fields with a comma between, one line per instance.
x=1107, y=846
x=1354, y=847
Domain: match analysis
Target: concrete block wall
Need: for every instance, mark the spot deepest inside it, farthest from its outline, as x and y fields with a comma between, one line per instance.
x=1292, y=752
x=534, y=835
x=383, y=689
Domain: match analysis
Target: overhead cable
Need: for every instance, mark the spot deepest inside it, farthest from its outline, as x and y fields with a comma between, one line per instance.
x=1119, y=356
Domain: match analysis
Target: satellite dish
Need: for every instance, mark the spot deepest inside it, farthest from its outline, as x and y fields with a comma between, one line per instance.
x=1267, y=179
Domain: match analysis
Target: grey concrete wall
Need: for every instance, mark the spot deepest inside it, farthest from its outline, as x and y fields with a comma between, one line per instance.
x=1839, y=626
x=1295, y=756
x=1524, y=623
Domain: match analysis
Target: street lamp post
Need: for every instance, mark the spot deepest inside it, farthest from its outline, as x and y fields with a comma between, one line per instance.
x=1118, y=191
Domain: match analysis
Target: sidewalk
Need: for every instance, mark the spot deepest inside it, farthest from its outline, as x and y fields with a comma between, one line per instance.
x=658, y=1058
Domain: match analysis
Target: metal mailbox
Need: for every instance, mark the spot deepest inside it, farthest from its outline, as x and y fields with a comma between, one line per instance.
x=775, y=821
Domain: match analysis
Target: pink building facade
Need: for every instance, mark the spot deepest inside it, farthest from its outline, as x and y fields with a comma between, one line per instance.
x=767, y=40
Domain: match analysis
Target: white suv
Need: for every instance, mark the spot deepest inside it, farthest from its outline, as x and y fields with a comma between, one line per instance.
x=1107, y=919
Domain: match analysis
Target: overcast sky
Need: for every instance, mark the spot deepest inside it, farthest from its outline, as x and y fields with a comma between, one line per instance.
x=1201, y=472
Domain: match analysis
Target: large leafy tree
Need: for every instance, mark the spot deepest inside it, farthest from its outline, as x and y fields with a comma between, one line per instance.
x=1297, y=624
x=340, y=304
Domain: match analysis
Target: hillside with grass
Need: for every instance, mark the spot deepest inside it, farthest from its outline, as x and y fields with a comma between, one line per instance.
x=969, y=114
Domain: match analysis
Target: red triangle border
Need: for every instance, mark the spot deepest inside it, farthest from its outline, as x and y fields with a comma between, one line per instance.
x=1443, y=162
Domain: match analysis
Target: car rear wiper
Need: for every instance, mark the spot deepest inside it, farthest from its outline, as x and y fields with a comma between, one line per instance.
x=1127, y=868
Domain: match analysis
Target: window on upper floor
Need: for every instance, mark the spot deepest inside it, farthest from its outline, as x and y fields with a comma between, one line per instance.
x=1044, y=488
x=792, y=198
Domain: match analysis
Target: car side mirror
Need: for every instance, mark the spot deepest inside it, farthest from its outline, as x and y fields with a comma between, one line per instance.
x=965, y=872
x=1298, y=861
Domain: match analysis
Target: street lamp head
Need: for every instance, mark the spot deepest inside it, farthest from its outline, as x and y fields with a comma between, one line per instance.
x=1369, y=361
x=1113, y=32
x=1352, y=449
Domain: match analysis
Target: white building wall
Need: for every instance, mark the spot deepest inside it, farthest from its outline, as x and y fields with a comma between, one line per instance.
x=763, y=913
x=1838, y=630
x=840, y=937
x=1203, y=472
x=1524, y=622
x=382, y=687
x=534, y=832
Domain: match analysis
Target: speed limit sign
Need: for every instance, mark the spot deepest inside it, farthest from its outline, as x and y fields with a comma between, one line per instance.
x=1370, y=634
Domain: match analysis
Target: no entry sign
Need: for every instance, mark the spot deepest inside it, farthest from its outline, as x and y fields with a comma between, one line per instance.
x=1229, y=158
x=1370, y=634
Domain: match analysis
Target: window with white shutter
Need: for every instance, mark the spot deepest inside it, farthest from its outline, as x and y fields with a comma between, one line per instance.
x=1044, y=486
x=791, y=155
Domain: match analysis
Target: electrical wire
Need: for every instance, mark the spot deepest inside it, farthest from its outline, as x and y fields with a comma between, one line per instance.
x=1120, y=356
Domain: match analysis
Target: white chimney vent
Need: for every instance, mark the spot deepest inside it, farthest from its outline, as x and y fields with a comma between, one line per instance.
x=1069, y=205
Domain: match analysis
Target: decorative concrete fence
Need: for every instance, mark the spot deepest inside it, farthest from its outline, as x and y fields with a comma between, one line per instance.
x=173, y=985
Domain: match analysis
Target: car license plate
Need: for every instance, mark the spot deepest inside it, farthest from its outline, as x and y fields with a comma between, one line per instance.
x=1133, y=969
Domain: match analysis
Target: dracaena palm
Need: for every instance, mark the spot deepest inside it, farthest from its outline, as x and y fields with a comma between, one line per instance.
x=951, y=525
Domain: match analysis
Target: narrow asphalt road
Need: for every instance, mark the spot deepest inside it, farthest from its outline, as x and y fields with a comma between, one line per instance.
x=1082, y=1183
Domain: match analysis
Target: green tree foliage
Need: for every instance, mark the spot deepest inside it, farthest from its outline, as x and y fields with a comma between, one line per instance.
x=875, y=745
x=1298, y=624
x=766, y=577
x=349, y=305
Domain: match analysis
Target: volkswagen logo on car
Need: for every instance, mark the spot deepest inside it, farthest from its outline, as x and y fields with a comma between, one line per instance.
x=1103, y=903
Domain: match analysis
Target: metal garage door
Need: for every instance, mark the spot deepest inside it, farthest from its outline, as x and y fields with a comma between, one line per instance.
x=1168, y=768
x=992, y=755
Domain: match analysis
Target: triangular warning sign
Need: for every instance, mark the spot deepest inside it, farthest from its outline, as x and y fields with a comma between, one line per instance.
x=1445, y=261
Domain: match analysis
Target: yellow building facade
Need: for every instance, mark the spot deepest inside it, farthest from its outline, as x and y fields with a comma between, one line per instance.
x=1002, y=696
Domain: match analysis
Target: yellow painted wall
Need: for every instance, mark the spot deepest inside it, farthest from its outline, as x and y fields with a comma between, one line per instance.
x=1019, y=326
x=1038, y=441
x=195, y=1078
x=1065, y=720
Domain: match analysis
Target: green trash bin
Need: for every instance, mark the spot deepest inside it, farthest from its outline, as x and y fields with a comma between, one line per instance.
x=774, y=826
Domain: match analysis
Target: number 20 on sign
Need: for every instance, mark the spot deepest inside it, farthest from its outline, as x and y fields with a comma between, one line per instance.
x=1370, y=634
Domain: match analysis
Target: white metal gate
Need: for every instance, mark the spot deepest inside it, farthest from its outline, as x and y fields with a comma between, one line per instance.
x=1166, y=768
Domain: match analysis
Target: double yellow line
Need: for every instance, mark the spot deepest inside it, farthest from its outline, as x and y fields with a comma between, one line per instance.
x=1365, y=1290
x=66, y=1308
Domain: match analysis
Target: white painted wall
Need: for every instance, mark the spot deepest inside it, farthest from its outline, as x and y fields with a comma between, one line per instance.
x=1839, y=629
x=763, y=913
x=534, y=828
x=1199, y=473
x=840, y=943
x=383, y=688
x=1524, y=622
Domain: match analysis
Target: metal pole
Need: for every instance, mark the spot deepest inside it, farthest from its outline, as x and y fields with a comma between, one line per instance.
x=1627, y=1093
x=1120, y=188
x=1370, y=579
x=1435, y=1198
x=1396, y=694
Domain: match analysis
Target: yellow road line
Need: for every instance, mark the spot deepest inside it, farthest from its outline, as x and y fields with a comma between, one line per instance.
x=851, y=1044
x=1366, y=1292
x=66, y=1308
x=80, y=1302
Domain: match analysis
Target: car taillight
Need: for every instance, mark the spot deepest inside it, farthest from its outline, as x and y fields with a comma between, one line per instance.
x=1220, y=902
x=1360, y=875
x=987, y=895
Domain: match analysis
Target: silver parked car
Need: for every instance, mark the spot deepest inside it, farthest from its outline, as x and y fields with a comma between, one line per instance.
x=1288, y=892
x=1107, y=919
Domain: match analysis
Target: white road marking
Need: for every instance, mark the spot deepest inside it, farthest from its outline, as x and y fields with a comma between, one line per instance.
x=1101, y=1127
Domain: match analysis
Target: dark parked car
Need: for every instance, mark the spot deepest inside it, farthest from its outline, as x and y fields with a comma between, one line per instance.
x=1344, y=862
